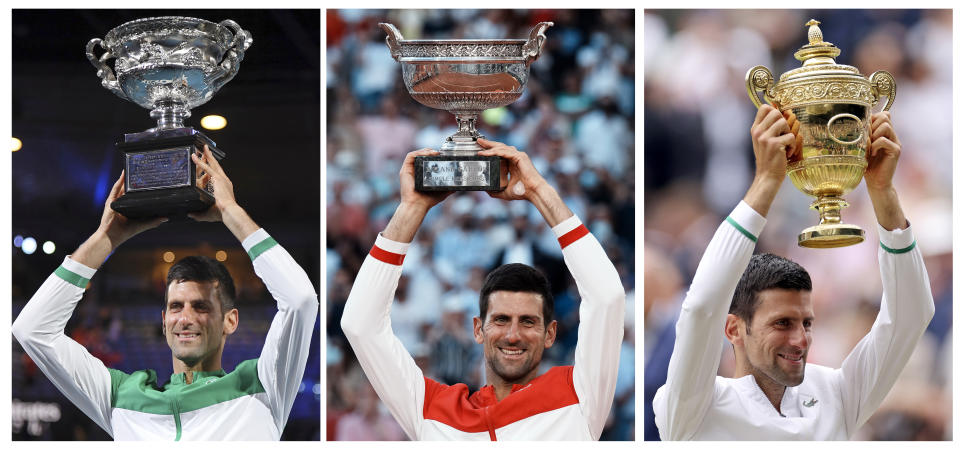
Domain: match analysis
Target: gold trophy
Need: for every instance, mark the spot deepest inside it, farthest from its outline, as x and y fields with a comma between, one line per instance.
x=832, y=104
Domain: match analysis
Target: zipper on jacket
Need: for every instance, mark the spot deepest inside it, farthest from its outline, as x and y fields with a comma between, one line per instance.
x=490, y=429
x=176, y=415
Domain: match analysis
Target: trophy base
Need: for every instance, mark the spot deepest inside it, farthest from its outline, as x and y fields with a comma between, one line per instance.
x=456, y=173
x=160, y=178
x=830, y=236
x=170, y=202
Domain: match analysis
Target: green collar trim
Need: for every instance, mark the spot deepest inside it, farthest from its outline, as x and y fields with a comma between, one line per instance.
x=741, y=229
x=261, y=247
x=139, y=392
x=71, y=277
x=898, y=251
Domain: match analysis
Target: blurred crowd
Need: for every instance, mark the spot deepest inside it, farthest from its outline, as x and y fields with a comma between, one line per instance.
x=699, y=162
x=575, y=120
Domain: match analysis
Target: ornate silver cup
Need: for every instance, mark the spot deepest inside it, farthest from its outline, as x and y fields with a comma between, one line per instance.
x=168, y=65
x=464, y=77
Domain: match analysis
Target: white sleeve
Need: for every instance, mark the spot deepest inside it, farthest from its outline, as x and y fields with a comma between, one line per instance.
x=366, y=323
x=868, y=373
x=682, y=402
x=600, y=333
x=286, y=347
x=39, y=328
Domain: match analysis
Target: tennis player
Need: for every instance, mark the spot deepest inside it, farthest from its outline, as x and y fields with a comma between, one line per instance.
x=762, y=305
x=515, y=326
x=200, y=401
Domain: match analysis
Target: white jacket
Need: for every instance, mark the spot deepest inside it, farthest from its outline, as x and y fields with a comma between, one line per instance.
x=250, y=403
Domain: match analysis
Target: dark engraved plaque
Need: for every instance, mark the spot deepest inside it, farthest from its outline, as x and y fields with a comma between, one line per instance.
x=158, y=169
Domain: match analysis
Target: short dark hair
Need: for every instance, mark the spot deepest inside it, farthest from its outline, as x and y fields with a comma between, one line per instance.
x=766, y=271
x=204, y=269
x=517, y=277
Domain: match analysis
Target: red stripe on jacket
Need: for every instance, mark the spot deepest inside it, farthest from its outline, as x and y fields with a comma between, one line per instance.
x=386, y=256
x=572, y=236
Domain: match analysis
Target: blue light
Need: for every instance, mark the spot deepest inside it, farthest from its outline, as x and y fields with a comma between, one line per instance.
x=17, y=240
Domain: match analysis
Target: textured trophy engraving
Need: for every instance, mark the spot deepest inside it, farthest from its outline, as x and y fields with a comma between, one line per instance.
x=832, y=105
x=464, y=77
x=168, y=65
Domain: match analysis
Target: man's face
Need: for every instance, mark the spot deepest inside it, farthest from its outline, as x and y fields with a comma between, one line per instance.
x=780, y=336
x=193, y=323
x=514, y=335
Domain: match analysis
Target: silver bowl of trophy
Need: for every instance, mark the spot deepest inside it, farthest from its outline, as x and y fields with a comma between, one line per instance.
x=464, y=77
x=168, y=65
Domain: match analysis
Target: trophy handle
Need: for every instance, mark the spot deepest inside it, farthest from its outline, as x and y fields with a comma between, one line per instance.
x=883, y=84
x=534, y=45
x=104, y=72
x=393, y=39
x=231, y=63
x=759, y=78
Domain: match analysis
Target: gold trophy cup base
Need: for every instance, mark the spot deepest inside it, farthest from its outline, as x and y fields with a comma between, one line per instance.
x=830, y=236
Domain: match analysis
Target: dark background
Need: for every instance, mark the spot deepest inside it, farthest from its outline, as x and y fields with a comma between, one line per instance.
x=69, y=123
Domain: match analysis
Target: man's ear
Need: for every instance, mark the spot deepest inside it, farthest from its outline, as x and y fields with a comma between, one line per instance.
x=551, y=334
x=478, y=329
x=734, y=329
x=231, y=320
x=163, y=322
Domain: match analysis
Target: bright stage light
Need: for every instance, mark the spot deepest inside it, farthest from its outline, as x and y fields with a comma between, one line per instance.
x=213, y=122
x=49, y=247
x=15, y=144
x=169, y=256
x=221, y=255
x=17, y=240
x=29, y=245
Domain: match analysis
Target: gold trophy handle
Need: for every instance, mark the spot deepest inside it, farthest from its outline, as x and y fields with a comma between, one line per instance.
x=759, y=78
x=884, y=85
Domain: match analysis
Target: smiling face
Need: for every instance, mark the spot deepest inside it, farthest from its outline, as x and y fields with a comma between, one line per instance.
x=195, y=326
x=513, y=335
x=775, y=345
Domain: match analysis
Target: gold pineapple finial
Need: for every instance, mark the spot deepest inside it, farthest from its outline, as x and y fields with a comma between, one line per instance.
x=814, y=34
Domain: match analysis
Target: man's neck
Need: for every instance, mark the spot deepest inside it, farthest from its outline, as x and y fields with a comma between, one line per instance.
x=771, y=389
x=503, y=388
x=180, y=367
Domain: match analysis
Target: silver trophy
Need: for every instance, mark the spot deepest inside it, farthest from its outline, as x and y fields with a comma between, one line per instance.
x=168, y=65
x=464, y=77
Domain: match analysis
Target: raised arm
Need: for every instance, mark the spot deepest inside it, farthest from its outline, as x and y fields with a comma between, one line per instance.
x=871, y=369
x=681, y=403
x=600, y=333
x=366, y=316
x=287, y=345
x=39, y=328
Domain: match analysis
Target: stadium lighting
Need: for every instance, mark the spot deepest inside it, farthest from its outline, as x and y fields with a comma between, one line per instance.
x=213, y=122
x=49, y=247
x=29, y=245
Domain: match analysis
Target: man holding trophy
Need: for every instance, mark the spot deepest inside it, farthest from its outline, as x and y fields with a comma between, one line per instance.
x=171, y=64
x=775, y=395
x=515, y=326
x=201, y=401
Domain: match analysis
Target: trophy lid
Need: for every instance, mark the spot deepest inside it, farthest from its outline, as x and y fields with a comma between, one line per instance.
x=818, y=59
x=820, y=79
